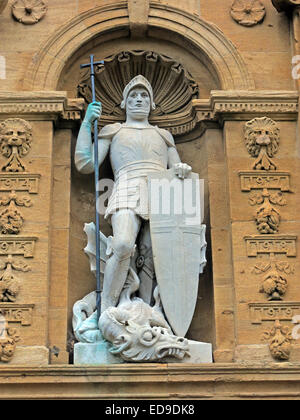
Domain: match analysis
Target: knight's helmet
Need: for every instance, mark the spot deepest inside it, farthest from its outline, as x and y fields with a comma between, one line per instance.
x=138, y=81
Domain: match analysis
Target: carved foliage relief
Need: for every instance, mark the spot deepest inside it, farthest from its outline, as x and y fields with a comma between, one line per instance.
x=267, y=188
x=280, y=341
x=17, y=187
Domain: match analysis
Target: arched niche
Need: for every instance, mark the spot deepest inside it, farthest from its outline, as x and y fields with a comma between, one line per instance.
x=204, y=52
x=202, y=80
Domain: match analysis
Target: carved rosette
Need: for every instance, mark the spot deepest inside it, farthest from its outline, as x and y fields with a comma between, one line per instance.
x=29, y=12
x=248, y=12
x=174, y=110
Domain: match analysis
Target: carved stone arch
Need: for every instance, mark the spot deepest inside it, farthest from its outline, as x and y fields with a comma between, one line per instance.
x=45, y=70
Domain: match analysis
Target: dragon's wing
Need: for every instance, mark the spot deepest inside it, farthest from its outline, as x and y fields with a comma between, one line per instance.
x=90, y=249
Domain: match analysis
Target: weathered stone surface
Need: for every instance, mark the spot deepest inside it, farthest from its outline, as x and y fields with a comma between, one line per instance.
x=98, y=354
x=242, y=73
x=31, y=356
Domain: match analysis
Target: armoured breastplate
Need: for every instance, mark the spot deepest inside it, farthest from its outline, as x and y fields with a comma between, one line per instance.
x=131, y=145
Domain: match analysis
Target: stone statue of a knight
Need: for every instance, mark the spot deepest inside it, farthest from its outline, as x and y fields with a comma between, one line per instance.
x=140, y=154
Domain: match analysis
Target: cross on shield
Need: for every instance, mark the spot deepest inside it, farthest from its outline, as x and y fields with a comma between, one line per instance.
x=178, y=242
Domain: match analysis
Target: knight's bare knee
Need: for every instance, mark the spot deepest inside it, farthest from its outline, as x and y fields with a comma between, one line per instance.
x=123, y=248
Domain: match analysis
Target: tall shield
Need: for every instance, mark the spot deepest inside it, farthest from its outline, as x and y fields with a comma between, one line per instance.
x=178, y=242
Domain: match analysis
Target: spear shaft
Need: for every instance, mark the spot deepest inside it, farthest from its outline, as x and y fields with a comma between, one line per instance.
x=92, y=65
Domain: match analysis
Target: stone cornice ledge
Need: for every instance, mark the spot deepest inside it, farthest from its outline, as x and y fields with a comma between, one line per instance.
x=40, y=106
x=153, y=381
x=243, y=105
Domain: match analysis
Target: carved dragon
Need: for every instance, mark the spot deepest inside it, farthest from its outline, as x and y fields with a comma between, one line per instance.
x=137, y=331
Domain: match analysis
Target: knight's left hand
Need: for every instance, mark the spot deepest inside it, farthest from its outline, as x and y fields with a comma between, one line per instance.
x=182, y=170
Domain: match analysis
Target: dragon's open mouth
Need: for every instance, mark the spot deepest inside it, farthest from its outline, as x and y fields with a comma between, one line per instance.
x=177, y=352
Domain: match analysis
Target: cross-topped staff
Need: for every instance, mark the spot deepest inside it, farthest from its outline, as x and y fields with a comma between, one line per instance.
x=92, y=65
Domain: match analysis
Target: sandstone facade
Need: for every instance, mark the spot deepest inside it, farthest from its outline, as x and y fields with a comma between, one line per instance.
x=240, y=66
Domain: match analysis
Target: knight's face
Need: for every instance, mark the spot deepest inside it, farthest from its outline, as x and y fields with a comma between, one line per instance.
x=138, y=103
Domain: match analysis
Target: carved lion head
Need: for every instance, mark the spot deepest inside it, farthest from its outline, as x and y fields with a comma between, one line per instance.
x=262, y=132
x=15, y=132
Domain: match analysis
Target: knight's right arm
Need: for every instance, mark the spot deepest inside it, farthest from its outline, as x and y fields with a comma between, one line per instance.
x=84, y=153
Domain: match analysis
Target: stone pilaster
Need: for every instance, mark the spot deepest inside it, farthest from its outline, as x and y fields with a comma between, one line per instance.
x=34, y=238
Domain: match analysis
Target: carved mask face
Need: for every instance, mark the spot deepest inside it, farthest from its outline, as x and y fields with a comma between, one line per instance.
x=14, y=135
x=138, y=103
x=263, y=137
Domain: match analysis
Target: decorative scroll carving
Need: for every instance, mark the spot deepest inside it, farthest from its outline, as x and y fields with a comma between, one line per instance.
x=15, y=313
x=13, y=198
x=19, y=182
x=275, y=244
x=248, y=12
x=9, y=337
x=15, y=142
x=280, y=341
x=265, y=180
x=173, y=98
x=266, y=312
x=17, y=246
x=29, y=12
x=262, y=142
